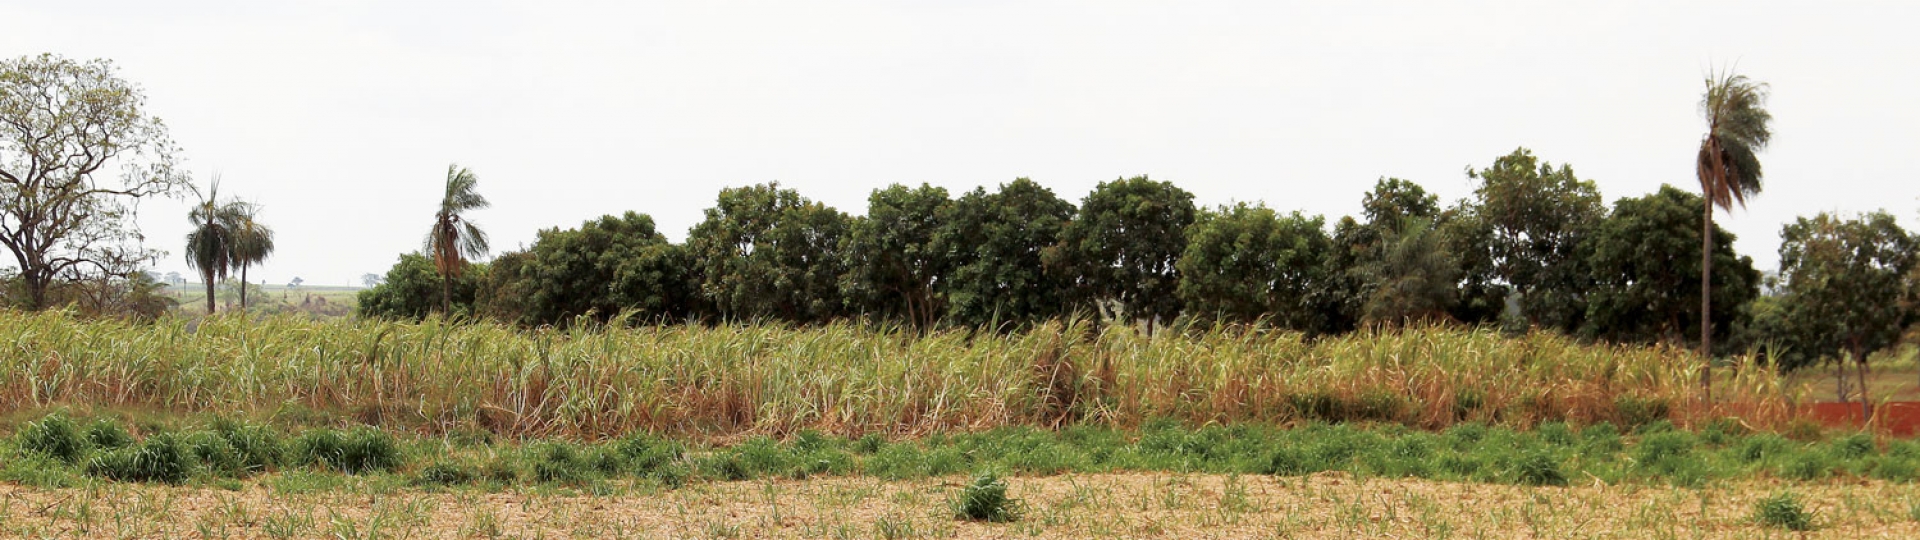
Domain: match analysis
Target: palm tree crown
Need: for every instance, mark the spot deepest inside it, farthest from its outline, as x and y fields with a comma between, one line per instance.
x=454, y=239
x=1736, y=114
x=210, y=243
x=252, y=243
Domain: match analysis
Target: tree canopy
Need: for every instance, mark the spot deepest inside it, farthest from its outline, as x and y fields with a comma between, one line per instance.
x=65, y=125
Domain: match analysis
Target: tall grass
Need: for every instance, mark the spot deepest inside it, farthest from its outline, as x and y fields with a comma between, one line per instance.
x=599, y=381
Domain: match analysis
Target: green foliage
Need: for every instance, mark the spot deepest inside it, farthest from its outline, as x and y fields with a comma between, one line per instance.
x=1783, y=510
x=985, y=499
x=1845, y=285
x=998, y=278
x=361, y=450
x=1645, y=260
x=767, y=253
x=454, y=239
x=1246, y=263
x=106, y=433
x=1124, y=247
x=57, y=437
x=898, y=255
x=608, y=266
x=1535, y=218
x=65, y=126
x=1396, y=267
x=412, y=290
x=161, y=458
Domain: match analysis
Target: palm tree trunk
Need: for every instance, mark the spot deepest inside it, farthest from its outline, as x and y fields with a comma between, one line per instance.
x=208, y=277
x=243, y=288
x=446, y=295
x=1706, y=297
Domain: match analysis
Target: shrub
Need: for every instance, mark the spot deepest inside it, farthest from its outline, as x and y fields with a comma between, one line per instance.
x=1854, y=446
x=161, y=458
x=362, y=450
x=1635, y=411
x=559, y=463
x=447, y=473
x=1761, y=447
x=216, y=453
x=106, y=433
x=642, y=454
x=56, y=437
x=258, y=448
x=986, y=500
x=1807, y=466
x=1783, y=510
x=1539, y=468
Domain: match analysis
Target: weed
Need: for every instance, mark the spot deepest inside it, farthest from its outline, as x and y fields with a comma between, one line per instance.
x=106, y=433
x=55, y=436
x=985, y=499
x=1784, y=511
x=161, y=458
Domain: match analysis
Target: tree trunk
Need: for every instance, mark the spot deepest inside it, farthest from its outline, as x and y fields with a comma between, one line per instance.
x=36, y=291
x=243, y=288
x=1706, y=297
x=1866, y=404
x=1840, y=380
x=209, y=279
x=446, y=295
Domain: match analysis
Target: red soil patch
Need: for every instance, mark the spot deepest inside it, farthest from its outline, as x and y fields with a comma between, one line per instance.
x=1899, y=418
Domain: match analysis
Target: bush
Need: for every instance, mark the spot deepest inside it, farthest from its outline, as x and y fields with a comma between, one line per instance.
x=1761, y=447
x=1539, y=468
x=106, y=433
x=1854, y=446
x=257, y=448
x=1807, y=466
x=1784, y=511
x=560, y=463
x=986, y=500
x=362, y=450
x=162, y=458
x=56, y=437
x=447, y=473
x=1637, y=411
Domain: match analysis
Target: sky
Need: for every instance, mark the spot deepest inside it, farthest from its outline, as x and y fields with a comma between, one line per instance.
x=340, y=118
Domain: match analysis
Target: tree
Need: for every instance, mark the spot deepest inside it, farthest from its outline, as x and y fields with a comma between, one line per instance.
x=1729, y=171
x=1124, y=245
x=1410, y=278
x=1845, y=287
x=454, y=238
x=607, y=266
x=62, y=124
x=1246, y=263
x=414, y=288
x=1533, y=217
x=295, y=283
x=1642, y=264
x=1357, y=266
x=252, y=243
x=210, y=243
x=767, y=253
x=370, y=280
x=996, y=239
x=894, y=266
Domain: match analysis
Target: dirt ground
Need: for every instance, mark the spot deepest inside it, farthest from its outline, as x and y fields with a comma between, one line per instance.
x=1068, y=506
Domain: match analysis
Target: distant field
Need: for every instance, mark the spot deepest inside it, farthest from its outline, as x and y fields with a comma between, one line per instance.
x=315, y=300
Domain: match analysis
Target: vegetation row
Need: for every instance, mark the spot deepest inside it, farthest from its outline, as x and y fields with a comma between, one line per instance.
x=594, y=381
x=58, y=450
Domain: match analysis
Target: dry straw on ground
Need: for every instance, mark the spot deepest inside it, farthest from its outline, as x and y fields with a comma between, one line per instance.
x=1070, y=506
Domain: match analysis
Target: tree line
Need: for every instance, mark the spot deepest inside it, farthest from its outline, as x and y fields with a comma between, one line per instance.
x=1533, y=247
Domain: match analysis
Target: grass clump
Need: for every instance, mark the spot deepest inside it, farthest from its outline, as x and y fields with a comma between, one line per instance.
x=55, y=436
x=1539, y=468
x=985, y=499
x=361, y=450
x=1783, y=510
x=162, y=458
x=106, y=433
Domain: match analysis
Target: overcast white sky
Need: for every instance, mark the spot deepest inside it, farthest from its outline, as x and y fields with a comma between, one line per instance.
x=341, y=117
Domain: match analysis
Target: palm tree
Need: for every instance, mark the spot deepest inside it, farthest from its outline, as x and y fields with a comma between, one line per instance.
x=1729, y=171
x=210, y=244
x=454, y=239
x=251, y=243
